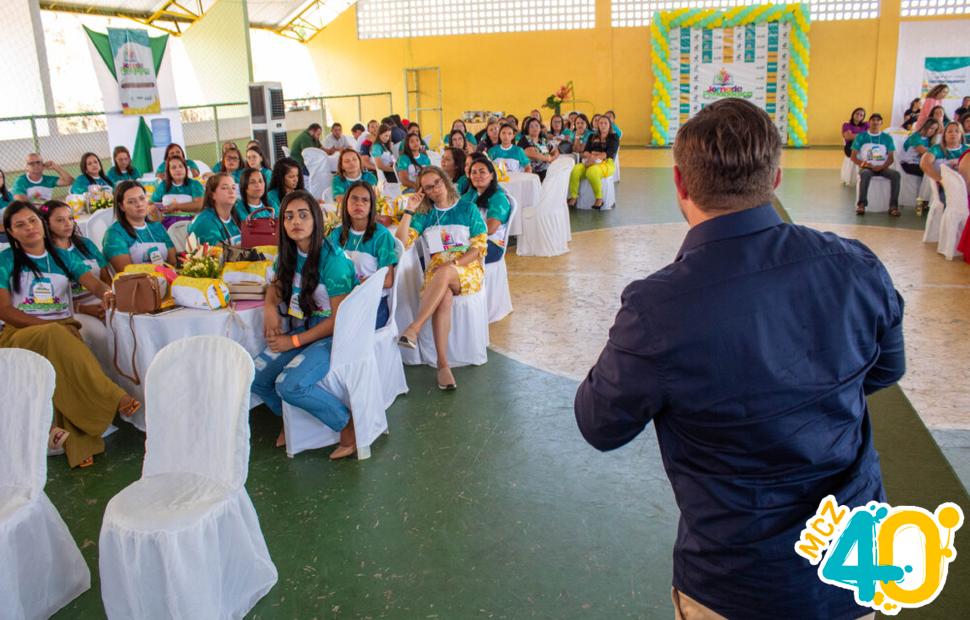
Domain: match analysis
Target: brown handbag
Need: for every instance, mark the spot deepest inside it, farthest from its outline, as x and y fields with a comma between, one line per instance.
x=135, y=293
x=260, y=230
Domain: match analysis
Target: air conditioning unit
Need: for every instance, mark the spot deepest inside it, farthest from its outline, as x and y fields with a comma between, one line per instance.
x=267, y=114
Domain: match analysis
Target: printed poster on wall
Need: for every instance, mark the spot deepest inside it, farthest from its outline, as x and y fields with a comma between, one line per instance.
x=134, y=70
x=954, y=71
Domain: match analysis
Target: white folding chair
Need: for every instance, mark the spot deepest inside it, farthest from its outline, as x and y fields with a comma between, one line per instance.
x=184, y=540
x=848, y=172
x=98, y=224
x=545, y=226
x=934, y=216
x=497, y=277
x=354, y=377
x=955, y=215
x=318, y=164
x=41, y=568
x=586, y=197
x=880, y=190
x=388, y=352
x=179, y=232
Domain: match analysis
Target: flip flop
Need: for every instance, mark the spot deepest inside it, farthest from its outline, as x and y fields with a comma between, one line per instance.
x=129, y=410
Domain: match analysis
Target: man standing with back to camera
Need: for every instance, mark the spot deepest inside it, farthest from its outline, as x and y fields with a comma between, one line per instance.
x=752, y=353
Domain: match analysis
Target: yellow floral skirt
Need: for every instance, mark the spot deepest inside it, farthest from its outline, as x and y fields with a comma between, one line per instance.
x=470, y=277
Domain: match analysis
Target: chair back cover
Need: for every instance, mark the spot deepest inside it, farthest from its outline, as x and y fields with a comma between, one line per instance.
x=98, y=225
x=203, y=167
x=353, y=332
x=508, y=224
x=955, y=189
x=318, y=165
x=955, y=215
x=179, y=232
x=197, y=410
x=556, y=185
x=27, y=385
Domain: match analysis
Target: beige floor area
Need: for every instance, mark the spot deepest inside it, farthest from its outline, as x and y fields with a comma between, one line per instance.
x=564, y=306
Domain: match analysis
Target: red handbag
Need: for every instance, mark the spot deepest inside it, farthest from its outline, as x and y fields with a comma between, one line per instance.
x=260, y=231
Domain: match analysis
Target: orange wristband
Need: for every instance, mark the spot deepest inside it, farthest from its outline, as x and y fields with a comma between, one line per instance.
x=295, y=340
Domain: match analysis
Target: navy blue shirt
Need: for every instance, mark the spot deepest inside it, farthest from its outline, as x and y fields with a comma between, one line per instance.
x=753, y=353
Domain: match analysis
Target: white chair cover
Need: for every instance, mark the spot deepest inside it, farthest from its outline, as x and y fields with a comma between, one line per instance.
x=586, y=197
x=545, y=227
x=880, y=189
x=409, y=276
x=616, y=160
x=327, y=196
x=468, y=340
x=179, y=232
x=955, y=214
x=848, y=172
x=286, y=151
x=497, y=279
x=98, y=224
x=203, y=167
x=435, y=158
x=354, y=377
x=41, y=568
x=184, y=540
x=318, y=164
x=388, y=352
x=934, y=217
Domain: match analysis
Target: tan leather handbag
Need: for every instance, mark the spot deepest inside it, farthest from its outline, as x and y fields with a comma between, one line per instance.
x=135, y=293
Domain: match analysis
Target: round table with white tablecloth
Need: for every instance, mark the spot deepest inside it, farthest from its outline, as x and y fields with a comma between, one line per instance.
x=525, y=187
x=244, y=324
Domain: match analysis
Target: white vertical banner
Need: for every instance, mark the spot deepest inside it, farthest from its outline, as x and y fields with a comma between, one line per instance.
x=135, y=71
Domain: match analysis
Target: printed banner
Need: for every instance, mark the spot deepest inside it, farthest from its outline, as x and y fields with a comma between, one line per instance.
x=954, y=71
x=134, y=70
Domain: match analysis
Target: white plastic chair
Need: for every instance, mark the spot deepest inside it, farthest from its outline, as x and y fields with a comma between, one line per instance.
x=955, y=215
x=545, y=226
x=934, y=216
x=354, y=377
x=880, y=190
x=98, y=224
x=389, y=359
x=586, y=197
x=184, y=540
x=848, y=172
x=318, y=164
x=179, y=232
x=41, y=568
x=497, y=278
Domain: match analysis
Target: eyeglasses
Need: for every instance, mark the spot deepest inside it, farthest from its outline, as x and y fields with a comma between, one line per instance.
x=430, y=188
x=360, y=199
x=301, y=214
x=35, y=163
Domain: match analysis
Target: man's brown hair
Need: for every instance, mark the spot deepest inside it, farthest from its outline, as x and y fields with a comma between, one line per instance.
x=728, y=156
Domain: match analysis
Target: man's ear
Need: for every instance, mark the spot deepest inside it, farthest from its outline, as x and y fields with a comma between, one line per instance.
x=777, y=178
x=679, y=184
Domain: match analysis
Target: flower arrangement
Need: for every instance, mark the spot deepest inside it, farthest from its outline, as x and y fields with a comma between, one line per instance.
x=554, y=101
x=200, y=261
x=100, y=200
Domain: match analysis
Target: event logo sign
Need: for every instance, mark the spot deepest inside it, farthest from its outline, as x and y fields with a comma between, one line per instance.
x=135, y=71
x=726, y=84
x=890, y=557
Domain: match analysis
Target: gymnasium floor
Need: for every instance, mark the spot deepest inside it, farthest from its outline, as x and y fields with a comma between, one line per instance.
x=487, y=503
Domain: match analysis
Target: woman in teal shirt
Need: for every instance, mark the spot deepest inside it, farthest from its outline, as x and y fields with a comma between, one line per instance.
x=231, y=163
x=411, y=161
x=512, y=156
x=255, y=159
x=122, y=170
x=459, y=125
x=287, y=178
x=175, y=150
x=453, y=163
x=91, y=174
x=349, y=171
x=218, y=221
x=177, y=192
x=383, y=154
x=947, y=153
x=492, y=202
x=559, y=135
x=917, y=145
x=252, y=186
x=132, y=238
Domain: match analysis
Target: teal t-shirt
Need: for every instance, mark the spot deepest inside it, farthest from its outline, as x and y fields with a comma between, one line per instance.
x=910, y=154
x=95, y=262
x=273, y=196
x=115, y=177
x=38, y=192
x=499, y=208
x=469, y=138
x=451, y=229
x=616, y=130
x=336, y=274
x=216, y=167
x=367, y=256
x=81, y=184
x=267, y=175
x=244, y=211
x=950, y=157
x=190, y=188
x=340, y=184
x=47, y=296
x=514, y=157
x=405, y=163
x=462, y=184
x=191, y=165
x=377, y=151
x=873, y=149
x=4, y=202
x=149, y=245
x=209, y=228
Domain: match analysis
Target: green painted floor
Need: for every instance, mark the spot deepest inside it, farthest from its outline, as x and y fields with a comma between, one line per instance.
x=487, y=503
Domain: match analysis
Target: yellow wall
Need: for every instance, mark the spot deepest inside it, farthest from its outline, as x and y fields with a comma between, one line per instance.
x=852, y=64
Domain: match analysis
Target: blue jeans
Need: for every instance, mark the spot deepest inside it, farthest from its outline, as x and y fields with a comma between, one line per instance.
x=383, y=313
x=294, y=377
x=495, y=253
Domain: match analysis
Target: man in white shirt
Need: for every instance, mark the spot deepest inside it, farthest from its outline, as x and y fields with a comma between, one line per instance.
x=336, y=141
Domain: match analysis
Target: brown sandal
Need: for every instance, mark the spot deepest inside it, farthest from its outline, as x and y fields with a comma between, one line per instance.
x=860, y=210
x=129, y=409
x=895, y=212
x=88, y=462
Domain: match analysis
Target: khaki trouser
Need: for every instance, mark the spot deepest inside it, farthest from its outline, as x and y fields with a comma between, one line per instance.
x=686, y=608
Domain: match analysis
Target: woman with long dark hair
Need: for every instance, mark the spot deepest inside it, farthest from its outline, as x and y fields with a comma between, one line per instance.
x=911, y=114
x=287, y=177
x=175, y=150
x=218, y=221
x=411, y=161
x=252, y=190
x=35, y=307
x=310, y=278
x=132, y=238
x=91, y=174
x=853, y=127
x=350, y=169
x=383, y=154
x=536, y=147
x=121, y=168
x=508, y=153
x=453, y=162
x=256, y=159
x=598, y=162
x=178, y=193
x=934, y=98
x=492, y=202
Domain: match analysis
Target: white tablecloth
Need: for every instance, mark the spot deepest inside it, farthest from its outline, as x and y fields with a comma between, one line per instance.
x=153, y=332
x=525, y=187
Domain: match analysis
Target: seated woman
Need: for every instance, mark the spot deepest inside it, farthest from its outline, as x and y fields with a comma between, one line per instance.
x=252, y=187
x=508, y=153
x=965, y=123
x=88, y=309
x=597, y=163
x=938, y=114
x=536, y=148
x=309, y=280
x=177, y=197
x=175, y=150
x=511, y=119
x=256, y=159
x=459, y=126
x=231, y=163
x=610, y=114
x=91, y=176
x=453, y=163
x=349, y=171
x=456, y=239
x=122, y=170
x=368, y=244
x=218, y=221
x=35, y=291
x=947, y=153
x=581, y=134
x=414, y=128
x=493, y=204
x=911, y=114
x=410, y=162
x=132, y=238
x=559, y=135
x=490, y=139
x=286, y=178
x=917, y=145
x=458, y=140
x=220, y=165
x=382, y=152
